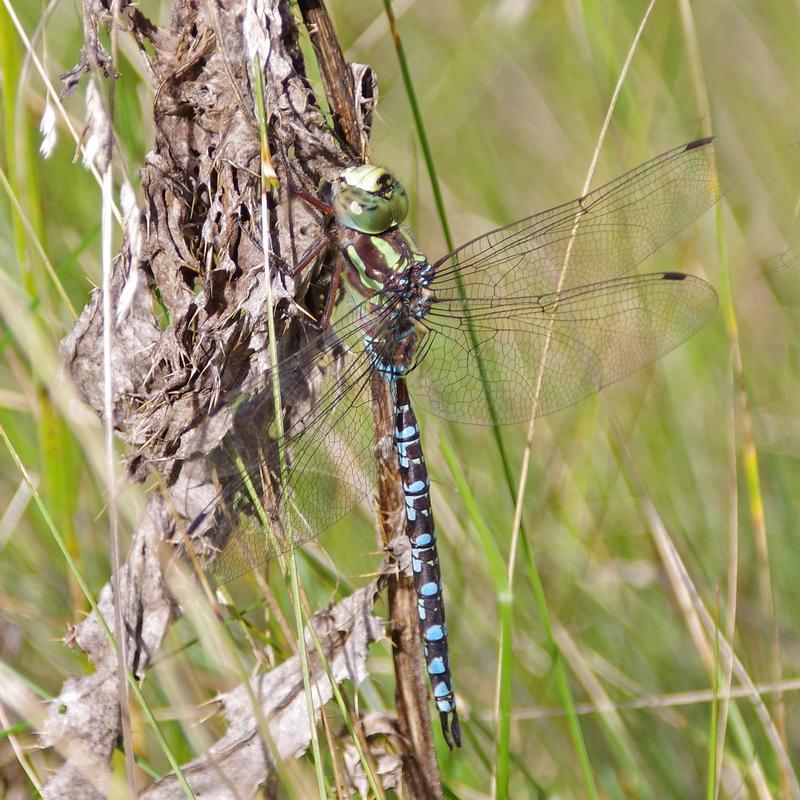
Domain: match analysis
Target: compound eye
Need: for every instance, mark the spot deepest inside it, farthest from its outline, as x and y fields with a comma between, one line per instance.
x=399, y=201
x=362, y=211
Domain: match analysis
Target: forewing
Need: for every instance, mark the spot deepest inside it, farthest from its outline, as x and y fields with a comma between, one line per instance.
x=599, y=236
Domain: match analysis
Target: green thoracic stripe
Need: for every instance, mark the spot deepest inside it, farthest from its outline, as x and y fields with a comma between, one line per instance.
x=391, y=257
x=356, y=261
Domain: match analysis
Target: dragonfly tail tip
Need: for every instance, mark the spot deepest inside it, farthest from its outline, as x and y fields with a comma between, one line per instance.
x=451, y=728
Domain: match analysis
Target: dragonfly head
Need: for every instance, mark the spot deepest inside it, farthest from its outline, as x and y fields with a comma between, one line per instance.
x=369, y=199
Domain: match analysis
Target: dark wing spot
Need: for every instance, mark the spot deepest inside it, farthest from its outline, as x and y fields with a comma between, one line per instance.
x=698, y=143
x=674, y=276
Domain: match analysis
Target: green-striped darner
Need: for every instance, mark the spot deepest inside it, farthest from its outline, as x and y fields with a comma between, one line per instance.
x=524, y=320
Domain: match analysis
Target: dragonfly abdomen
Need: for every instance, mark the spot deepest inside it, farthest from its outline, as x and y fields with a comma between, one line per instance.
x=425, y=561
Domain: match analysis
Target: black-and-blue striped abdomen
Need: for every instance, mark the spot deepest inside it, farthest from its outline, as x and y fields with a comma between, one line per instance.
x=425, y=559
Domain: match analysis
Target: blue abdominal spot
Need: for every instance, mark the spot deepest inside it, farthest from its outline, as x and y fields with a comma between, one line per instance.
x=435, y=633
x=436, y=667
x=442, y=689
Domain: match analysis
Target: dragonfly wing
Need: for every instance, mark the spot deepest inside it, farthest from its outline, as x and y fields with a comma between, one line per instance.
x=326, y=452
x=599, y=236
x=509, y=281
x=520, y=357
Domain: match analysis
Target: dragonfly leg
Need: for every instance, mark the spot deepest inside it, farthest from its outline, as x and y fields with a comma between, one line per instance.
x=333, y=290
x=307, y=258
x=310, y=255
x=315, y=202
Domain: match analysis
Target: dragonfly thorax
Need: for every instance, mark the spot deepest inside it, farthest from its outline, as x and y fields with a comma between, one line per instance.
x=369, y=199
x=387, y=266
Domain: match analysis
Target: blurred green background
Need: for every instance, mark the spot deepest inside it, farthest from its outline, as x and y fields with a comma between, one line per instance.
x=699, y=452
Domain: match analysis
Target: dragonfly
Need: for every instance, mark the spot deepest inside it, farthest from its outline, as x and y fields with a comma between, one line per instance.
x=522, y=321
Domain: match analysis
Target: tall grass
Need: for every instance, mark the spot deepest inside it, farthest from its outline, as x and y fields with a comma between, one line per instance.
x=671, y=497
